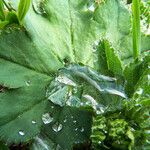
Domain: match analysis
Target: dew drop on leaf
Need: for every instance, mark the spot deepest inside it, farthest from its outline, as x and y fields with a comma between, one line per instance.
x=28, y=83
x=46, y=118
x=21, y=133
x=82, y=129
x=38, y=7
x=91, y=8
x=74, y=121
x=52, y=107
x=33, y=122
x=139, y=91
x=57, y=127
x=65, y=120
x=76, y=129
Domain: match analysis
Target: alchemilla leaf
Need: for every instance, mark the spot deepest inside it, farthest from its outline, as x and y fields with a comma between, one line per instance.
x=67, y=73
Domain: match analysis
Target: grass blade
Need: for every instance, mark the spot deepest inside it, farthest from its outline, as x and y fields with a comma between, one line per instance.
x=136, y=28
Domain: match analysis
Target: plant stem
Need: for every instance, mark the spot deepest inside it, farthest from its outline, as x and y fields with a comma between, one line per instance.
x=136, y=28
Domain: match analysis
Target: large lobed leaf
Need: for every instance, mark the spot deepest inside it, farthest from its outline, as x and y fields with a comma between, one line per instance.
x=55, y=32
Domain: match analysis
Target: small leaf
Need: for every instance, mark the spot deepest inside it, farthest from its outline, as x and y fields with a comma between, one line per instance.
x=23, y=9
x=108, y=61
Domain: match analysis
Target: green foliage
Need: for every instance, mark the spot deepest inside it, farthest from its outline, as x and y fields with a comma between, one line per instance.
x=9, y=15
x=122, y=129
x=23, y=9
x=68, y=63
x=108, y=60
x=2, y=16
x=136, y=28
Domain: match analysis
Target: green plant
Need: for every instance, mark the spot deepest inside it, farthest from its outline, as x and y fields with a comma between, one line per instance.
x=68, y=79
x=136, y=28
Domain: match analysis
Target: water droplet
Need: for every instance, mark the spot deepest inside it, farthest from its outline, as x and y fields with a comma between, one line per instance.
x=65, y=120
x=82, y=129
x=76, y=129
x=39, y=7
x=138, y=105
x=33, y=122
x=52, y=107
x=57, y=127
x=72, y=117
x=46, y=118
x=21, y=133
x=105, y=131
x=82, y=104
x=74, y=121
x=28, y=83
x=139, y=91
x=91, y=8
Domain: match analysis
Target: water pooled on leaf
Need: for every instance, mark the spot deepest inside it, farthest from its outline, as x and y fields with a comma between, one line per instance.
x=65, y=80
x=46, y=118
x=116, y=92
x=70, y=88
x=57, y=127
x=21, y=133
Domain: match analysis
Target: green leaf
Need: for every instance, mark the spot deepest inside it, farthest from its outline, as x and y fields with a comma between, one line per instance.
x=111, y=133
x=22, y=103
x=133, y=72
x=22, y=99
x=108, y=61
x=55, y=33
x=80, y=27
x=136, y=28
x=23, y=9
x=2, y=16
x=68, y=124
